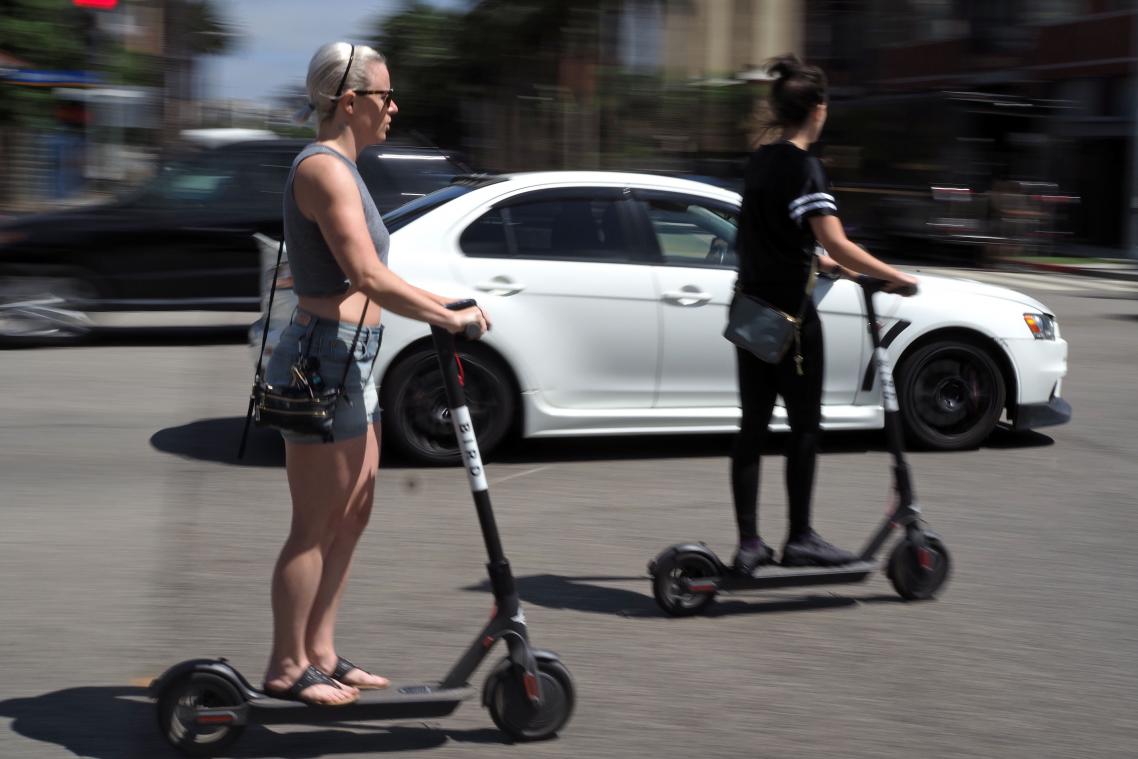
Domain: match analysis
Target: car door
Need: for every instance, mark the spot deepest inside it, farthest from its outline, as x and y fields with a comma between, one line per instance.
x=694, y=272
x=190, y=244
x=570, y=291
x=845, y=338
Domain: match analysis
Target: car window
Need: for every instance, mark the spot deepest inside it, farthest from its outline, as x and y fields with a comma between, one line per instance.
x=692, y=231
x=396, y=178
x=571, y=228
x=232, y=180
x=408, y=212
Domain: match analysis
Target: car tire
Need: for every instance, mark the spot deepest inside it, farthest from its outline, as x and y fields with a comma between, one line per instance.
x=951, y=394
x=415, y=412
x=43, y=309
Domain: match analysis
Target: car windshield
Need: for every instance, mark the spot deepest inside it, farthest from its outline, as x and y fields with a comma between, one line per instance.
x=408, y=212
x=186, y=179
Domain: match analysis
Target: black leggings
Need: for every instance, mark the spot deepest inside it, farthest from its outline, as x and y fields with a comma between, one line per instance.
x=759, y=383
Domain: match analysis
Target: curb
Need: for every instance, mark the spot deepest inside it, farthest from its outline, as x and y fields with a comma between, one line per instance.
x=1129, y=273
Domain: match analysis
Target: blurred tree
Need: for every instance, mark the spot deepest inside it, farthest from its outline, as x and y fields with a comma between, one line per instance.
x=539, y=83
x=48, y=34
x=192, y=28
x=206, y=30
x=420, y=42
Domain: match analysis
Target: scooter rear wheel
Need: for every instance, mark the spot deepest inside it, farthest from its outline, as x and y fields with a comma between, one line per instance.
x=515, y=714
x=672, y=597
x=177, y=714
x=917, y=578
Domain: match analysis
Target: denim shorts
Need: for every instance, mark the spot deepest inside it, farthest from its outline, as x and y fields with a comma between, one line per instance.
x=330, y=341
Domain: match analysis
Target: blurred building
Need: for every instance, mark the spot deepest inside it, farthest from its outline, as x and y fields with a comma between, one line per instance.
x=981, y=96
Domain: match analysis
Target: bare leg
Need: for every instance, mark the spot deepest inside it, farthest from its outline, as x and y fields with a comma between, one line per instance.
x=320, y=636
x=321, y=478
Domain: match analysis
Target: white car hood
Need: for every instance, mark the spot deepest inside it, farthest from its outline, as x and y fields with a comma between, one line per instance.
x=948, y=287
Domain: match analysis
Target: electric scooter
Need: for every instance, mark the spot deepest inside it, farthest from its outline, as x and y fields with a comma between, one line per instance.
x=205, y=704
x=686, y=577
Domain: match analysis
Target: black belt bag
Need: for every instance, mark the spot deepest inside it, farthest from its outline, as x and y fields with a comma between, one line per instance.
x=757, y=326
x=302, y=406
x=305, y=405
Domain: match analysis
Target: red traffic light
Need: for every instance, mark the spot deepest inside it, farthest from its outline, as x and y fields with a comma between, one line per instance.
x=103, y=5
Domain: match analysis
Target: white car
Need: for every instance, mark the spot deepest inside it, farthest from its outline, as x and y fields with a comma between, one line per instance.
x=609, y=294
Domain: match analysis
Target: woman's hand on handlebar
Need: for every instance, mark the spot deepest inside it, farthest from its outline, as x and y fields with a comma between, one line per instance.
x=472, y=322
x=903, y=284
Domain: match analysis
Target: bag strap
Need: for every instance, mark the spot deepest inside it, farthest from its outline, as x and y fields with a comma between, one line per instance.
x=261, y=355
x=811, y=280
x=351, y=353
x=269, y=309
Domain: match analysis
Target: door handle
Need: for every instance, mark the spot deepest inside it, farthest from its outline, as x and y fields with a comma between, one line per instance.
x=688, y=295
x=500, y=285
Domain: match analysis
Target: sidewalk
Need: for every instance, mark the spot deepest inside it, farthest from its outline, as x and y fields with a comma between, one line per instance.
x=1118, y=268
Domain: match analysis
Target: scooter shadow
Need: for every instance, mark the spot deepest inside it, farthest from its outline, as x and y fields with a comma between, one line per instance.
x=217, y=440
x=589, y=595
x=113, y=722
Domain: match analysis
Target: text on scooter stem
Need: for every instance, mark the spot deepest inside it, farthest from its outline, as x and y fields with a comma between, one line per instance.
x=888, y=391
x=468, y=444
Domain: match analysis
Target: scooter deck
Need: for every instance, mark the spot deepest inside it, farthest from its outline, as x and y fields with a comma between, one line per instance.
x=405, y=702
x=792, y=577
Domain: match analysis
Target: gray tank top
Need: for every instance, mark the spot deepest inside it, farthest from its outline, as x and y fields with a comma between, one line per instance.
x=314, y=269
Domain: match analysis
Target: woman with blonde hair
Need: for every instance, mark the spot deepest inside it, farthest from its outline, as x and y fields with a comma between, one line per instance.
x=337, y=248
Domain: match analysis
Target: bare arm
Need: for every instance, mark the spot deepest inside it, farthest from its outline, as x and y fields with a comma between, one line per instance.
x=828, y=231
x=327, y=194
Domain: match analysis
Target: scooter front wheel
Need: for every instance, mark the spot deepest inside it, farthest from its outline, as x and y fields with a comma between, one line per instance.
x=669, y=587
x=178, y=704
x=517, y=716
x=918, y=574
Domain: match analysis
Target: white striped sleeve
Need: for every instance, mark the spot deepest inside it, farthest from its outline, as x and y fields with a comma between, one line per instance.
x=812, y=204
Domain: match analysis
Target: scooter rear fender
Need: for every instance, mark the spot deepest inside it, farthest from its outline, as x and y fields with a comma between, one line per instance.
x=682, y=548
x=219, y=667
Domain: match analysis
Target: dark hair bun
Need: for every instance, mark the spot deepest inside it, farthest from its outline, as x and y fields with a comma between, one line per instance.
x=797, y=88
x=784, y=66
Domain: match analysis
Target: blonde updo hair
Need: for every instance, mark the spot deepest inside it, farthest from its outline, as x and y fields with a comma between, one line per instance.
x=325, y=71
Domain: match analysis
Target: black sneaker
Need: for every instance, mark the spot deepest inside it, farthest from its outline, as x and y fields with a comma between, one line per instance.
x=747, y=560
x=809, y=550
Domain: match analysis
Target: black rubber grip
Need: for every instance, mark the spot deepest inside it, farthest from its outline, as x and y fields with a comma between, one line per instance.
x=458, y=305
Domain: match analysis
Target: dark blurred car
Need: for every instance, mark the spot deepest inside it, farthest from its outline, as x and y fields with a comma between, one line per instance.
x=182, y=242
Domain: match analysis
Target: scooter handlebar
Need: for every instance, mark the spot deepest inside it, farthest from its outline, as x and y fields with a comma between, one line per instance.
x=875, y=284
x=471, y=331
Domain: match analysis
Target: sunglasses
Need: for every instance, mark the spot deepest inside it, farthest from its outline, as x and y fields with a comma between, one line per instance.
x=387, y=95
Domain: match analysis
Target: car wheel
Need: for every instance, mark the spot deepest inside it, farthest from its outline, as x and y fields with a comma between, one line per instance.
x=415, y=412
x=951, y=395
x=43, y=310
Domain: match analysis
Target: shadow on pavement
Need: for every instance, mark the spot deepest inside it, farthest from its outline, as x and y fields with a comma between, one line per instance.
x=116, y=722
x=217, y=440
x=585, y=594
x=1003, y=438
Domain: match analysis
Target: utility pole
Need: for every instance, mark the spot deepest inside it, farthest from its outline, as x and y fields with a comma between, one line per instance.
x=1132, y=194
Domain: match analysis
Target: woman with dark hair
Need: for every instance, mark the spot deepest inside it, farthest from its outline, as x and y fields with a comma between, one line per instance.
x=787, y=211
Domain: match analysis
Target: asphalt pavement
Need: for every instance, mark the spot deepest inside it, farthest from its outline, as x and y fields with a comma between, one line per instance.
x=133, y=538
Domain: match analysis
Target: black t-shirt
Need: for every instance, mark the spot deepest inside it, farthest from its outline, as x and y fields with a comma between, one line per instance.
x=783, y=187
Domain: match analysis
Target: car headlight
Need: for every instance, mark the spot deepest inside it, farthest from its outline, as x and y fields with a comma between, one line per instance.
x=1042, y=326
